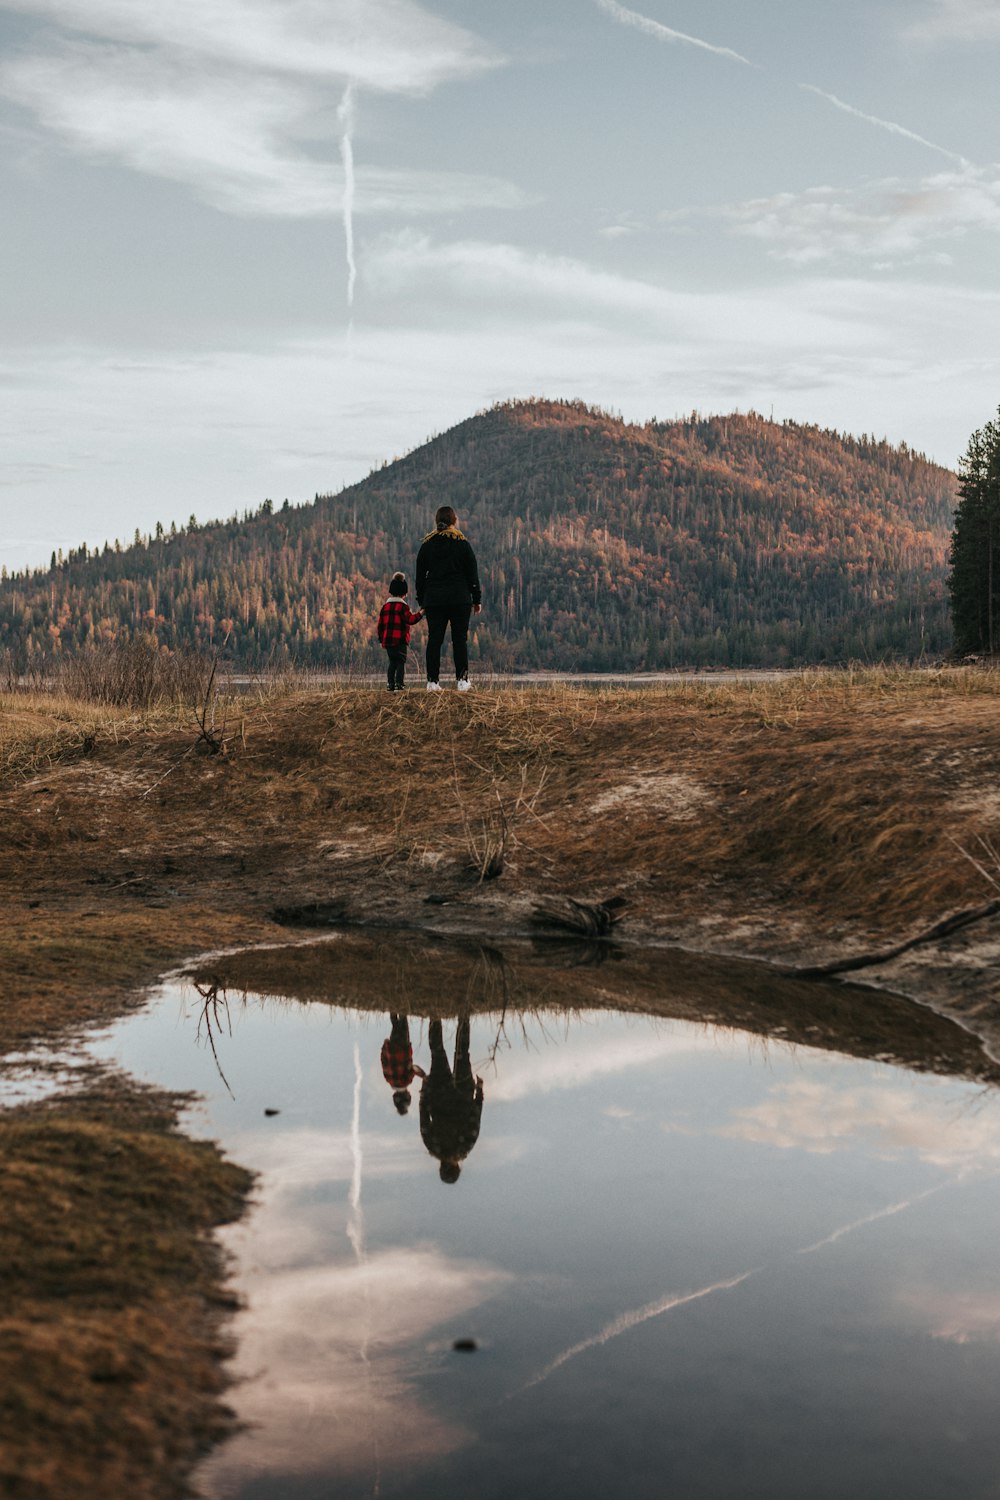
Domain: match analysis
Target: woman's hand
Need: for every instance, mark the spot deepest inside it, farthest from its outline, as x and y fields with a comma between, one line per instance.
x=477, y=609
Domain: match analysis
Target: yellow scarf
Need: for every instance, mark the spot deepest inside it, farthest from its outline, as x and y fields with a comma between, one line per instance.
x=445, y=531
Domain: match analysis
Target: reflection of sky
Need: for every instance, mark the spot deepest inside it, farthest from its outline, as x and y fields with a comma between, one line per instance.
x=626, y=1243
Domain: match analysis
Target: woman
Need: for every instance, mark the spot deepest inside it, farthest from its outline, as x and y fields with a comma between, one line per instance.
x=448, y=592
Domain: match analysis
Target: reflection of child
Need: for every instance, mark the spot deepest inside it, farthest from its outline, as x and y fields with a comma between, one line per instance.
x=397, y=1062
x=394, y=623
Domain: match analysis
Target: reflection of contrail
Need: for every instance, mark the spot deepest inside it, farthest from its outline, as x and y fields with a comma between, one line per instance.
x=355, y=1219
x=880, y=1213
x=356, y=1235
x=629, y=1320
x=666, y=33
x=345, y=114
x=889, y=125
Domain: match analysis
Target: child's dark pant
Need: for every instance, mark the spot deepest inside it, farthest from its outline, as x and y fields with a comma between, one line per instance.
x=439, y=617
x=397, y=667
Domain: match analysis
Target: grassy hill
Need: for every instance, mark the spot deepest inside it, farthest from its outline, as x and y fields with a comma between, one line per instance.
x=727, y=541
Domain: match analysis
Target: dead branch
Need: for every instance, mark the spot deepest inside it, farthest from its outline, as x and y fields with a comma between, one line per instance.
x=941, y=929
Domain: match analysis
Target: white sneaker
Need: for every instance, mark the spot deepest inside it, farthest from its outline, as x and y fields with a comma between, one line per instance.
x=433, y=687
x=464, y=685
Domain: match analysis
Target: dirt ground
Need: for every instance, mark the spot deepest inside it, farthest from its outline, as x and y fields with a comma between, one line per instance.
x=787, y=821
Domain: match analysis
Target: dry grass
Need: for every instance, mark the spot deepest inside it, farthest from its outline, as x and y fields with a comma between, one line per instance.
x=111, y=1335
x=797, y=816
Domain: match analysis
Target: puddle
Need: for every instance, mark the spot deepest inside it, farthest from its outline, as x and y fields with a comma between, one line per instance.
x=679, y=1258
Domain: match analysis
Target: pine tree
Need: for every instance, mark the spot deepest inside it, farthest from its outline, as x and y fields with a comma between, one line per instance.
x=974, y=582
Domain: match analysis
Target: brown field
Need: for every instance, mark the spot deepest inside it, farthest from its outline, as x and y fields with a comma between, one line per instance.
x=793, y=820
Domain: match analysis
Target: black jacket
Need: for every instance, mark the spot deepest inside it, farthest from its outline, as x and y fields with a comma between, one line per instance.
x=447, y=574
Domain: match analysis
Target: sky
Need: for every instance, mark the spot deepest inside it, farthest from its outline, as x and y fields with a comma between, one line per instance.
x=254, y=248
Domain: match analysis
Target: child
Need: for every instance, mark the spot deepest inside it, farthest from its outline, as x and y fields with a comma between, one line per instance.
x=394, y=623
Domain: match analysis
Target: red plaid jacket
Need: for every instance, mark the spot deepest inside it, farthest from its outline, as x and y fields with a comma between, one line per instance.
x=394, y=621
x=397, y=1064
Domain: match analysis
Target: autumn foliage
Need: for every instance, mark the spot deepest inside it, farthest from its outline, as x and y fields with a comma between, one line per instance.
x=729, y=541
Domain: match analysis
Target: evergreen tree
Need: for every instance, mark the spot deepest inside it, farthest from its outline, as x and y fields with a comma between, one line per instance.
x=974, y=582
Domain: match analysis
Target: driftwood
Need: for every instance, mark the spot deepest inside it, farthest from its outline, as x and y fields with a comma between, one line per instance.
x=941, y=929
x=589, y=919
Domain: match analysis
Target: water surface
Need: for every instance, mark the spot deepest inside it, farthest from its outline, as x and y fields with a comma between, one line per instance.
x=692, y=1260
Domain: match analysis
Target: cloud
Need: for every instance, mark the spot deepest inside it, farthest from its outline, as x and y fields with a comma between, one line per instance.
x=495, y=278
x=665, y=33
x=245, y=146
x=888, y=125
x=958, y=21
x=234, y=100
x=885, y=220
x=216, y=431
x=391, y=45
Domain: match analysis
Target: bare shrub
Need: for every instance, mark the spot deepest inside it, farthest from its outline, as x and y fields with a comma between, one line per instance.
x=137, y=674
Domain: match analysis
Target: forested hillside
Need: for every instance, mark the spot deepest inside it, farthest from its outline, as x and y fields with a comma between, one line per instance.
x=729, y=541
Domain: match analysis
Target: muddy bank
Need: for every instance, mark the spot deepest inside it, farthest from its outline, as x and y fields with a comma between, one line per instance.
x=112, y=1334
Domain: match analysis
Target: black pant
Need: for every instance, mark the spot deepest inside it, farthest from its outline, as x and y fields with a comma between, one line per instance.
x=439, y=617
x=397, y=666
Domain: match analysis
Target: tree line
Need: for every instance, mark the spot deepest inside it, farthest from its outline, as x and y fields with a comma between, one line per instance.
x=724, y=541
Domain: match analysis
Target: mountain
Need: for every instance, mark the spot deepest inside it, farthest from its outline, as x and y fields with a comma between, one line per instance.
x=726, y=541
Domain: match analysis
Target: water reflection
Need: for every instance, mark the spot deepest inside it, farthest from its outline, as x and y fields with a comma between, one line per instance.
x=692, y=1261
x=398, y=1068
x=451, y=1101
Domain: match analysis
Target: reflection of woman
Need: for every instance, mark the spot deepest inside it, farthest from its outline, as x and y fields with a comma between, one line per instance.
x=397, y=1062
x=448, y=592
x=451, y=1103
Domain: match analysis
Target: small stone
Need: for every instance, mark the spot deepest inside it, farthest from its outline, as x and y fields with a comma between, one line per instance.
x=270, y=1112
x=465, y=1346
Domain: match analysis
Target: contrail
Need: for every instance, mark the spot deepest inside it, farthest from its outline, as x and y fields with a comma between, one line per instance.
x=345, y=114
x=628, y=1320
x=666, y=33
x=889, y=125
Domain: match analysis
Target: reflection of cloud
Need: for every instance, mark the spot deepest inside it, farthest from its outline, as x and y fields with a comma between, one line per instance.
x=302, y=1378
x=810, y=1115
x=956, y=1317
x=580, y=1059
